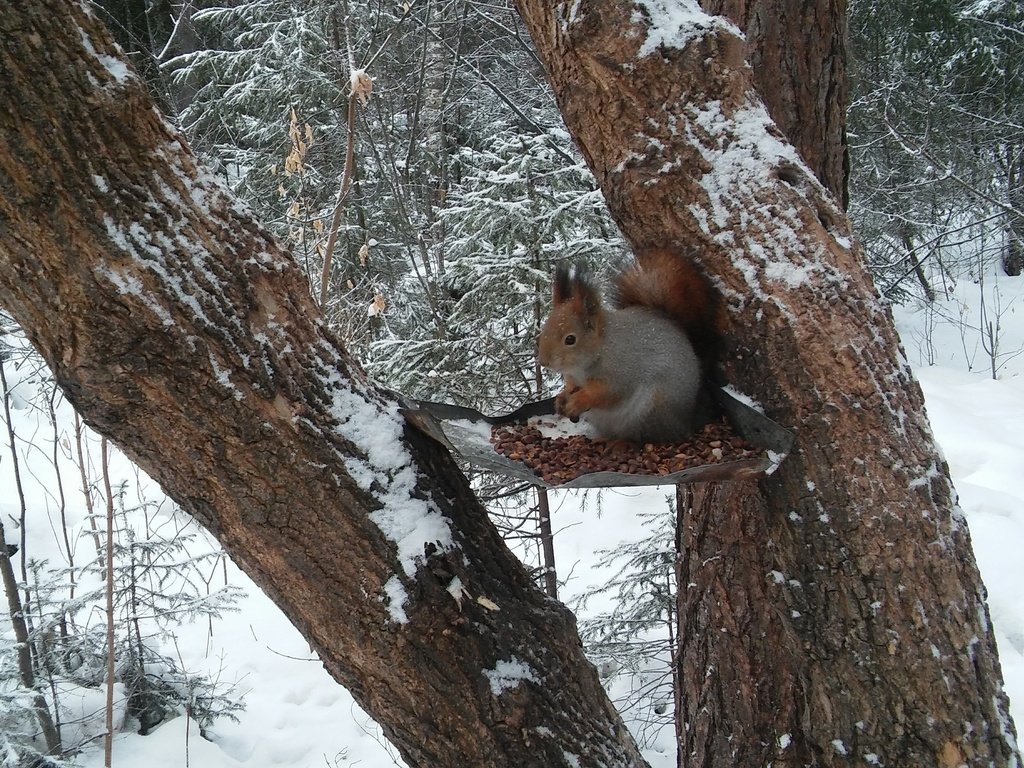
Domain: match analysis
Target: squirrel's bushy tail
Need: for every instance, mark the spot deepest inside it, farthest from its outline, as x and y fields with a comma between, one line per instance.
x=669, y=282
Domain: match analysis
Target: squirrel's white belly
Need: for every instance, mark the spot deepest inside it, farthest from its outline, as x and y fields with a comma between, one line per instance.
x=649, y=414
x=655, y=375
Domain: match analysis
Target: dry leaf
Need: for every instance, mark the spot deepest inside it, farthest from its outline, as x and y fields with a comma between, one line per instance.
x=362, y=85
x=487, y=603
x=293, y=163
x=458, y=591
x=376, y=306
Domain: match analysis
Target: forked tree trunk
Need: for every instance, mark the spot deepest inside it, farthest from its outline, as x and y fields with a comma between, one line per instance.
x=180, y=329
x=833, y=613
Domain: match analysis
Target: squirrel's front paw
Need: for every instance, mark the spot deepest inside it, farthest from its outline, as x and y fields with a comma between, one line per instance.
x=568, y=405
x=560, y=400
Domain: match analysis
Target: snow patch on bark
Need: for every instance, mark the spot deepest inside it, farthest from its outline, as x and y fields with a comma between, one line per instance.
x=999, y=704
x=569, y=13
x=741, y=151
x=676, y=23
x=130, y=285
x=397, y=597
x=115, y=67
x=742, y=148
x=386, y=471
x=510, y=674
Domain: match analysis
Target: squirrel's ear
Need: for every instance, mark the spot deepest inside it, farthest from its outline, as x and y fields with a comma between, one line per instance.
x=589, y=301
x=561, y=288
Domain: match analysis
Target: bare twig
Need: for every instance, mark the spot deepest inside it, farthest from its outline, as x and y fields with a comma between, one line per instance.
x=108, y=739
x=360, y=85
x=15, y=605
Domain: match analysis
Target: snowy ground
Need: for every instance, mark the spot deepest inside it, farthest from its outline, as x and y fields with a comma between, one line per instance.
x=297, y=716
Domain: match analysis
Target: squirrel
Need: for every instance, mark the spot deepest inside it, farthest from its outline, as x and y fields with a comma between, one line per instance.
x=635, y=369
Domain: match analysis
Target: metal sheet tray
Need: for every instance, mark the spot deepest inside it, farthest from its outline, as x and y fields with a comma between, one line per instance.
x=466, y=432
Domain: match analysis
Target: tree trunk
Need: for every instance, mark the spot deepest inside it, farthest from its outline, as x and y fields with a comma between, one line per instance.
x=1013, y=256
x=833, y=613
x=182, y=331
x=797, y=53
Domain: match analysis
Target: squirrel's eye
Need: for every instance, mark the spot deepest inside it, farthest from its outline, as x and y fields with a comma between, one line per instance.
x=570, y=340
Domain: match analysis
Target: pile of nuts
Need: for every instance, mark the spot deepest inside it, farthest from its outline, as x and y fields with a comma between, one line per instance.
x=560, y=459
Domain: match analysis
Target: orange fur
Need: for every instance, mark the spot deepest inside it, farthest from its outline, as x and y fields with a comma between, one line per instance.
x=667, y=281
x=595, y=393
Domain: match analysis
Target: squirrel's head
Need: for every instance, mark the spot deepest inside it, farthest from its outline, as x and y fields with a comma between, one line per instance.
x=571, y=336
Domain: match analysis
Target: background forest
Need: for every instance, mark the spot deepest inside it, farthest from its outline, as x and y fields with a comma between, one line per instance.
x=414, y=158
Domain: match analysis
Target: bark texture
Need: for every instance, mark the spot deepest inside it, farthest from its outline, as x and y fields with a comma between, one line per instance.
x=833, y=614
x=797, y=54
x=182, y=331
